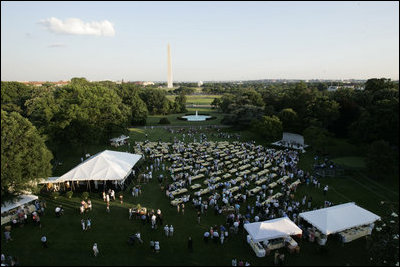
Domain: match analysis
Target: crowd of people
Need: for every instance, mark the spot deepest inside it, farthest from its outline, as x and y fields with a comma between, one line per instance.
x=194, y=159
x=9, y=260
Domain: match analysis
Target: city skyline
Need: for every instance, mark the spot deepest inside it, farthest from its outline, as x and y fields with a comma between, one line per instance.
x=212, y=41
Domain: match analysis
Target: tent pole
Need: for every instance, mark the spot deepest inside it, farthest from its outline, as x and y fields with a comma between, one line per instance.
x=89, y=186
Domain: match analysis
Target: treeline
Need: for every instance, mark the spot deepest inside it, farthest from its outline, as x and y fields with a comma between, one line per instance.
x=85, y=111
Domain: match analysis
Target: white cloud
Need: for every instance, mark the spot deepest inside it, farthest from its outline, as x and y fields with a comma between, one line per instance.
x=78, y=27
x=56, y=45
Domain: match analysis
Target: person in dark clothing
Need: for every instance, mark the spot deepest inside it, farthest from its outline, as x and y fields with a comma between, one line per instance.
x=190, y=244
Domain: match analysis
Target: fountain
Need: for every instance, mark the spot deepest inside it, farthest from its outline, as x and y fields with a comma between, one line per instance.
x=196, y=117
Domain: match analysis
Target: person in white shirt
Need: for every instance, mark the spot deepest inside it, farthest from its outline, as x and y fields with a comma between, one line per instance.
x=171, y=230
x=95, y=249
x=157, y=246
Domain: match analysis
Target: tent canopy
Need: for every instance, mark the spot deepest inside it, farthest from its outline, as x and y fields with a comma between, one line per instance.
x=271, y=229
x=291, y=137
x=17, y=202
x=339, y=218
x=107, y=165
x=119, y=139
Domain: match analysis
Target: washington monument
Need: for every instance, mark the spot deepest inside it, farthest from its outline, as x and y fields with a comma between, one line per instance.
x=169, y=68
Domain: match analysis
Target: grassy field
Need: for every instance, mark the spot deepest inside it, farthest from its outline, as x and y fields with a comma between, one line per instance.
x=69, y=245
x=154, y=119
x=197, y=99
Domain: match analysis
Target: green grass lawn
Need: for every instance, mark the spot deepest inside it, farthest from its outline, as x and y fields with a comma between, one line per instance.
x=197, y=99
x=350, y=162
x=173, y=118
x=69, y=245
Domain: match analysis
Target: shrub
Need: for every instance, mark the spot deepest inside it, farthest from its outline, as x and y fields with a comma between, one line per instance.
x=85, y=195
x=69, y=194
x=164, y=121
x=55, y=195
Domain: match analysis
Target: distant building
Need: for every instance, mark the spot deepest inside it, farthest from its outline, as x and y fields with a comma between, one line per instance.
x=143, y=83
x=336, y=87
x=148, y=83
x=35, y=83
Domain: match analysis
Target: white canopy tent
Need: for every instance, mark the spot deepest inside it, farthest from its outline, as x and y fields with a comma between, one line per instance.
x=271, y=229
x=292, y=140
x=119, y=140
x=339, y=218
x=17, y=202
x=105, y=166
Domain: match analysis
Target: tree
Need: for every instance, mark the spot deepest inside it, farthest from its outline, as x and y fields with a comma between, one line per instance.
x=288, y=118
x=139, y=111
x=14, y=95
x=378, y=84
x=41, y=109
x=24, y=155
x=316, y=137
x=89, y=113
x=155, y=100
x=324, y=110
x=268, y=127
x=180, y=101
x=349, y=110
x=380, y=160
x=226, y=101
x=241, y=116
x=216, y=103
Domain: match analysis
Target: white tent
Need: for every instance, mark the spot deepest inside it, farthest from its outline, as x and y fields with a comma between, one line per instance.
x=295, y=138
x=119, y=139
x=271, y=229
x=17, y=202
x=339, y=218
x=107, y=165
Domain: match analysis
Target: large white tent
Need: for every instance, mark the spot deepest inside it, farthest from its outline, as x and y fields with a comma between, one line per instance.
x=105, y=166
x=271, y=229
x=17, y=202
x=339, y=218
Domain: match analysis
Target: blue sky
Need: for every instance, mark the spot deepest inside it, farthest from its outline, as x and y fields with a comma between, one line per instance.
x=209, y=40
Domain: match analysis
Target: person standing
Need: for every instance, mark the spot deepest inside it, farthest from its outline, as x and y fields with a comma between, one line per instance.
x=171, y=230
x=198, y=217
x=281, y=259
x=7, y=235
x=166, y=230
x=325, y=190
x=95, y=250
x=276, y=258
x=190, y=244
x=152, y=246
x=157, y=246
x=88, y=224
x=183, y=208
x=83, y=224
x=44, y=241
